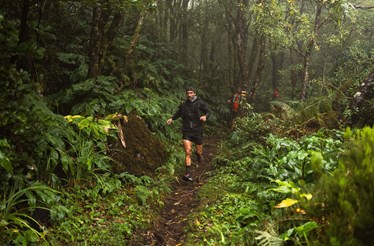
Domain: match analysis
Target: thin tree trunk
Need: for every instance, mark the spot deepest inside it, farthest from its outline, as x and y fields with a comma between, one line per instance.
x=165, y=21
x=306, y=64
x=94, y=53
x=253, y=57
x=184, y=32
x=114, y=27
x=110, y=36
x=230, y=52
x=24, y=62
x=212, y=69
x=203, y=47
x=259, y=70
x=136, y=35
x=241, y=42
x=172, y=20
x=160, y=20
x=101, y=41
x=293, y=74
x=308, y=52
x=230, y=41
x=274, y=77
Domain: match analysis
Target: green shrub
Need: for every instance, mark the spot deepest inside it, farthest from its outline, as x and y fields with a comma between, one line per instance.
x=346, y=197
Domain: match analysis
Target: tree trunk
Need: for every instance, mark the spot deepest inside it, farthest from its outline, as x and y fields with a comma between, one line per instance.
x=308, y=52
x=241, y=43
x=212, y=69
x=259, y=70
x=24, y=62
x=184, y=32
x=203, y=46
x=162, y=12
x=95, y=39
x=230, y=52
x=136, y=35
x=110, y=35
x=306, y=64
x=293, y=74
x=101, y=41
x=276, y=63
x=253, y=57
x=230, y=47
x=172, y=20
x=114, y=27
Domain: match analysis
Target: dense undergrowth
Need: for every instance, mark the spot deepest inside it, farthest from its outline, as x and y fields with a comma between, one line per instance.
x=109, y=212
x=61, y=188
x=57, y=183
x=271, y=189
x=270, y=185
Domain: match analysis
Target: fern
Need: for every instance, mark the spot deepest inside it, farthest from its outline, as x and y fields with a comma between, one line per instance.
x=268, y=238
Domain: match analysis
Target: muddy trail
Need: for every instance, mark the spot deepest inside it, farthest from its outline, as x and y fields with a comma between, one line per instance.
x=169, y=228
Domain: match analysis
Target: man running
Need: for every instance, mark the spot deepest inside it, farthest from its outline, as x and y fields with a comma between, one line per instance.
x=193, y=112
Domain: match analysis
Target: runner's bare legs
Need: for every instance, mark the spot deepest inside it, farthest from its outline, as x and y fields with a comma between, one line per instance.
x=188, y=150
x=199, y=149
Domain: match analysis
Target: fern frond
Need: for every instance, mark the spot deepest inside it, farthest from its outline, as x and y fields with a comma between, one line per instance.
x=268, y=238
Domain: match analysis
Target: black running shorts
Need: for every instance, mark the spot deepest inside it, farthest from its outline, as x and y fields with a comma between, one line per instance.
x=195, y=137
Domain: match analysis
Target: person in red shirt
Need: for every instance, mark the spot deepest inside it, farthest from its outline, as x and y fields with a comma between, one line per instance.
x=276, y=93
x=234, y=102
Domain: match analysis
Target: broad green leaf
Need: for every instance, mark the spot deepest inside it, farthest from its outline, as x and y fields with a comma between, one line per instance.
x=4, y=143
x=5, y=162
x=306, y=228
x=287, y=235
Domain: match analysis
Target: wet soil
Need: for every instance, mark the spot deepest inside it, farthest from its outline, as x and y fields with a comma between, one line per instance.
x=169, y=228
x=143, y=152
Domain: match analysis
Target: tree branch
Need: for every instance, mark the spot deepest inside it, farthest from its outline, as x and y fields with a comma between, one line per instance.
x=362, y=7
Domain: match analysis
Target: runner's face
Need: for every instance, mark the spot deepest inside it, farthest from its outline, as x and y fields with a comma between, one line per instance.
x=190, y=94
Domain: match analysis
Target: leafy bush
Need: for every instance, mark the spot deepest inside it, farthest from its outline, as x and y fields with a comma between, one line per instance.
x=152, y=107
x=301, y=118
x=258, y=190
x=249, y=129
x=287, y=159
x=345, y=197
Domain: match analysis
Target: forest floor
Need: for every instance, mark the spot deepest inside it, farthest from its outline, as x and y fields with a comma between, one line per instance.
x=169, y=228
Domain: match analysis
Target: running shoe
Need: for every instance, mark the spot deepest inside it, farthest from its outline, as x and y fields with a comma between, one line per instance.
x=187, y=178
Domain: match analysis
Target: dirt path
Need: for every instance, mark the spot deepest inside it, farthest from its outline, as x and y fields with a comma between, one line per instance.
x=168, y=230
